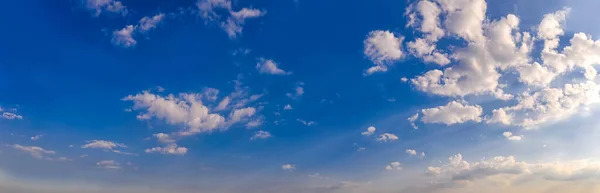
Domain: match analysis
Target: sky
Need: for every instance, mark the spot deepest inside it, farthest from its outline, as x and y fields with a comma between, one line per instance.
x=299, y=96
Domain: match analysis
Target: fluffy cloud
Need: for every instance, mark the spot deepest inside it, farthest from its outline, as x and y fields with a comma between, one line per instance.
x=370, y=131
x=36, y=137
x=11, y=116
x=234, y=22
x=171, y=149
x=163, y=138
x=387, y=137
x=298, y=91
x=382, y=48
x=458, y=170
x=125, y=37
x=509, y=135
x=411, y=152
x=288, y=167
x=99, y=6
x=452, y=113
x=109, y=164
x=268, y=66
x=394, y=166
x=261, y=135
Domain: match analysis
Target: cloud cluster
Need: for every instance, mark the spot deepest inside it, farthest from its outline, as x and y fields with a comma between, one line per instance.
x=458, y=170
x=125, y=37
x=382, y=48
x=233, y=21
x=495, y=53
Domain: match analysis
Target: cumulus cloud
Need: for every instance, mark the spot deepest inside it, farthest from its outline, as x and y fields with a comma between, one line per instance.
x=459, y=170
x=268, y=66
x=411, y=152
x=370, y=131
x=288, y=107
x=233, y=21
x=99, y=6
x=171, y=149
x=394, y=166
x=288, y=167
x=452, y=113
x=163, y=138
x=298, y=91
x=261, y=135
x=11, y=116
x=382, y=48
x=36, y=137
x=509, y=135
x=387, y=137
x=125, y=37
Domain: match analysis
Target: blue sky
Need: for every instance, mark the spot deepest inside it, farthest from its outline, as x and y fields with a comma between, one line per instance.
x=299, y=96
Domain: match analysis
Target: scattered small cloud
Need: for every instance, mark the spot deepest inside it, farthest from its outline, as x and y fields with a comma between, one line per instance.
x=36, y=137
x=288, y=167
x=307, y=123
x=394, y=166
x=387, y=137
x=509, y=135
x=261, y=135
x=370, y=131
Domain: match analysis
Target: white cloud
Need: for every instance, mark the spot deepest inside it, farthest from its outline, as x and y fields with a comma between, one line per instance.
x=361, y=149
x=36, y=137
x=11, y=116
x=307, y=123
x=411, y=152
x=382, y=48
x=452, y=113
x=394, y=166
x=370, y=131
x=288, y=107
x=509, y=135
x=288, y=167
x=34, y=151
x=234, y=22
x=125, y=37
x=457, y=169
x=171, y=149
x=101, y=144
x=298, y=91
x=412, y=120
x=261, y=135
x=99, y=6
x=387, y=137
x=185, y=109
x=268, y=66
x=163, y=138
x=108, y=164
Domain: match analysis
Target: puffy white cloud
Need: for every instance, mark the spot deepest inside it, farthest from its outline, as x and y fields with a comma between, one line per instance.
x=298, y=91
x=101, y=144
x=394, y=166
x=411, y=152
x=452, y=113
x=185, y=109
x=109, y=164
x=459, y=170
x=288, y=107
x=288, y=167
x=125, y=37
x=36, y=137
x=11, y=116
x=171, y=149
x=163, y=138
x=223, y=104
x=234, y=22
x=382, y=48
x=268, y=66
x=509, y=135
x=148, y=23
x=370, y=131
x=261, y=135
x=387, y=137
x=99, y=6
